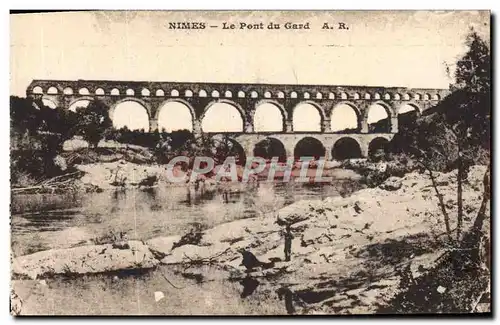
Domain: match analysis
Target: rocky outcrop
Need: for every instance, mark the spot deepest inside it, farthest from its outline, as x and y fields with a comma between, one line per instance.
x=85, y=259
x=348, y=255
x=393, y=183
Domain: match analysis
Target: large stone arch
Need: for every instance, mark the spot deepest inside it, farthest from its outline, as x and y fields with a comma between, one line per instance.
x=357, y=111
x=145, y=106
x=50, y=102
x=388, y=108
x=130, y=99
x=392, y=120
x=178, y=100
x=377, y=145
x=175, y=100
x=318, y=107
x=237, y=147
x=277, y=149
x=280, y=107
x=346, y=148
x=80, y=98
x=229, y=102
x=311, y=150
x=413, y=104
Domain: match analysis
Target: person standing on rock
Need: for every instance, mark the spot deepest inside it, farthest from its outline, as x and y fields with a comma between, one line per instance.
x=288, y=242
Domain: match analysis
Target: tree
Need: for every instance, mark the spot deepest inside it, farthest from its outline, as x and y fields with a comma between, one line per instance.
x=93, y=122
x=472, y=72
x=456, y=134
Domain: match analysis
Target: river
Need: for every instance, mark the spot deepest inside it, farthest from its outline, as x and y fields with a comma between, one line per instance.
x=46, y=221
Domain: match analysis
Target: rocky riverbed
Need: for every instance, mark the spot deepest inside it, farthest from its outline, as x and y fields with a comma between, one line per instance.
x=349, y=255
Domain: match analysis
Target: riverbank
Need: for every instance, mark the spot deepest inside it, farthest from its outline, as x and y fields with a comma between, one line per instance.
x=349, y=255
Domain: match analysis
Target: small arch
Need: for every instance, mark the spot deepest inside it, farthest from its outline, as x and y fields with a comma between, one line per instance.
x=99, y=92
x=436, y=97
x=416, y=96
x=52, y=90
x=228, y=94
x=241, y=94
x=376, y=96
x=368, y=96
x=309, y=147
x=319, y=96
x=281, y=94
x=378, y=148
x=114, y=92
x=188, y=93
x=202, y=93
x=346, y=148
x=145, y=92
x=68, y=91
x=254, y=94
x=397, y=96
x=293, y=94
x=37, y=90
x=130, y=92
x=83, y=91
x=406, y=96
x=174, y=93
x=306, y=95
x=269, y=148
x=267, y=94
x=160, y=93
x=387, y=96
x=355, y=96
x=215, y=94
x=427, y=96
x=331, y=96
x=343, y=95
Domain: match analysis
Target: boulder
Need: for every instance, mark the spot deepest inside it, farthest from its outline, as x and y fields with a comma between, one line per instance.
x=293, y=213
x=393, y=183
x=85, y=259
x=190, y=253
x=162, y=246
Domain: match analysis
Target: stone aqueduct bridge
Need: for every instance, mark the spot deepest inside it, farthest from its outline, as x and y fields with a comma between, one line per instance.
x=198, y=97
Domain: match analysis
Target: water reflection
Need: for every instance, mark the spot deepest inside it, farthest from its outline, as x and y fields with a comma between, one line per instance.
x=249, y=285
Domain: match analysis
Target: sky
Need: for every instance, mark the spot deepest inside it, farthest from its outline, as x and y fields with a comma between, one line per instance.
x=400, y=48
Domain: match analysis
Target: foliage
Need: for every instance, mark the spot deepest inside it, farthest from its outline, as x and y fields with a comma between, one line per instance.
x=472, y=72
x=37, y=135
x=93, y=122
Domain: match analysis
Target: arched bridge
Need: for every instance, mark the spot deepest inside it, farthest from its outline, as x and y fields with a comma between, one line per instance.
x=246, y=98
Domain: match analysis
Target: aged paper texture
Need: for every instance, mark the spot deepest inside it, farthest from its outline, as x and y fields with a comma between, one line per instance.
x=250, y=162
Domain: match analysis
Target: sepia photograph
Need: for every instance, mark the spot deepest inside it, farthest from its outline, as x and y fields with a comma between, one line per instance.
x=250, y=163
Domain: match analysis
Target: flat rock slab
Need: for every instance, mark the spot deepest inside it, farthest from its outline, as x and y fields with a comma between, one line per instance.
x=85, y=259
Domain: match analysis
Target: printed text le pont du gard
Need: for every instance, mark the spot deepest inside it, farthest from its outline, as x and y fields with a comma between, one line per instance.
x=257, y=25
